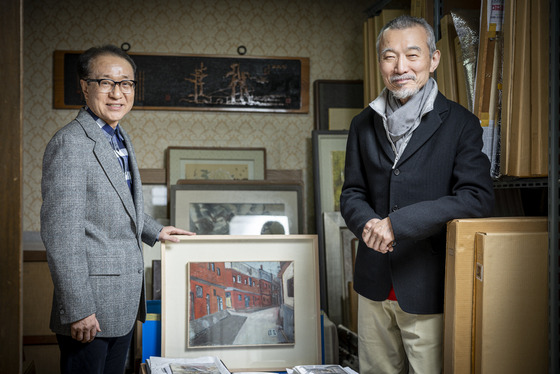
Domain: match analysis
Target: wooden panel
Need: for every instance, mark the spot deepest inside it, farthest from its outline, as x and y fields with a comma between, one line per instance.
x=462, y=93
x=39, y=342
x=507, y=77
x=11, y=195
x=285, y=175
x=153, y=176
x=447, y=65
x=539, y=87
x=372, y=74
x=520, y=134
x=37, y=298
x=34, y=256
x=46, y=358
x=483, y=67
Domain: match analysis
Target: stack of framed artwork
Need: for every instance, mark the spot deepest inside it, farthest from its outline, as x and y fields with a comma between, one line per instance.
x=242, y=219
x=224, y=187
x=216, y=190
x=336, y=103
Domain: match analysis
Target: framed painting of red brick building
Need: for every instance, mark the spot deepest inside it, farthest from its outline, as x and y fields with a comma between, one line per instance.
x=241, y=303
x=251, y=300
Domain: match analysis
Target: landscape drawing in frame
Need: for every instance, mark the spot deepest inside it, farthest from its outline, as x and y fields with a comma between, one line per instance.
x=286, y=254
x=202, y=163
x=240, y=303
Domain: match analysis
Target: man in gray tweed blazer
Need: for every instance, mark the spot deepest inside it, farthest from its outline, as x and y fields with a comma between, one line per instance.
x=93, y=223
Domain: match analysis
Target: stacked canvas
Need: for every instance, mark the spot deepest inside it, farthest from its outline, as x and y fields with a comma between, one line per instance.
x=459, y=282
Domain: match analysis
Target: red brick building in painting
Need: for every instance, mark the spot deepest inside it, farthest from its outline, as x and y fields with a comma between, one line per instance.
x=237, y=286
x=207, y=292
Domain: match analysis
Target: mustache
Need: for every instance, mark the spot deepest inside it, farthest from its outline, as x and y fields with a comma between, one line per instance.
x=395, y=78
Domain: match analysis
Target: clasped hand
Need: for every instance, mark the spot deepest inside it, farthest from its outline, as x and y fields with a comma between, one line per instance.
x=85, y=329
x=378, y=235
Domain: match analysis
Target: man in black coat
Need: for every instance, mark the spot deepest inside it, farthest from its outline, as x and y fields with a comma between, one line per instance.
x=414, y=162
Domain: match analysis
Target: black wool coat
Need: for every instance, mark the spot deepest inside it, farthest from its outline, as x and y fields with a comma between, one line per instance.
x=442, y=175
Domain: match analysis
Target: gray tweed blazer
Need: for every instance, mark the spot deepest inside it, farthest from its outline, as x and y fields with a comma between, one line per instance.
x=93, y=228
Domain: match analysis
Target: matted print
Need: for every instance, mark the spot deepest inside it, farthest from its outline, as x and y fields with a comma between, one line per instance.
x=224, y=219
x=273, y=274
x=196, y=163
x=241, y=303
x=237, y=207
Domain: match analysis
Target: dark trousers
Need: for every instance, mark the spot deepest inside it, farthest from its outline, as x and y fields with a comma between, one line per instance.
x=101, y=356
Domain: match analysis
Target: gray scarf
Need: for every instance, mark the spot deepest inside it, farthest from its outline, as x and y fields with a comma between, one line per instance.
x=400, y=120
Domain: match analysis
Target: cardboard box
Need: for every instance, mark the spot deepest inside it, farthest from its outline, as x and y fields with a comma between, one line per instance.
x=459, y=281
x=511, y=303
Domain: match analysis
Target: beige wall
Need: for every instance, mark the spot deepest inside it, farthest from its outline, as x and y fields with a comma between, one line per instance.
x=329, y=32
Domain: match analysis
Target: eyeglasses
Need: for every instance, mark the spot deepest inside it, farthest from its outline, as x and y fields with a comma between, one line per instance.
x=108, y=85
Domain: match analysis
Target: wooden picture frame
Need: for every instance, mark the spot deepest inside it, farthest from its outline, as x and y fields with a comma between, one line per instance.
x=329, y=153
x=201, y=82
x=301, y=250
x=336, y=102
x=153, y=176
x=225, y=207
x=215, y=163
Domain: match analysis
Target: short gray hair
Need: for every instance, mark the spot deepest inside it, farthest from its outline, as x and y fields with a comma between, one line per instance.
x=405, y=22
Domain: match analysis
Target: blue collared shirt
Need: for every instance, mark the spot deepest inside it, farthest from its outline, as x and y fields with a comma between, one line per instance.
x=116, y=139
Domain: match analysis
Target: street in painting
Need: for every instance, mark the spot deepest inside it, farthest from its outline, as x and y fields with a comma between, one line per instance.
x=240, y=303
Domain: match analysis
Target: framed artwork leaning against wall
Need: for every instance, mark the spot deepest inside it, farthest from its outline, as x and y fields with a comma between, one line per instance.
x=253, y=301
x=336, y=102
x=329, y=154
x=215, y=163
x=238, y=207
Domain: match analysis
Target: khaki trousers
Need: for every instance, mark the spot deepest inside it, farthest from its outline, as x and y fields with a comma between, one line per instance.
x=395, y=342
